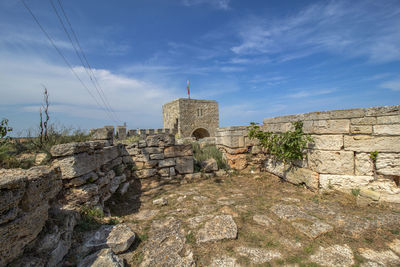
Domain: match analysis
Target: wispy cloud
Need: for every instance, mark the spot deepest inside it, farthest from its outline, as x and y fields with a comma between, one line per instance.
x=355, y=29
x=219, y=4
x=393, y=85
x=311, y=93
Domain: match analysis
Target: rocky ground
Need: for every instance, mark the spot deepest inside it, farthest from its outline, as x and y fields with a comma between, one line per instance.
x=254, y=220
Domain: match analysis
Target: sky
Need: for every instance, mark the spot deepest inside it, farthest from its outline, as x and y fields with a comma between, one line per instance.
x=258, y=58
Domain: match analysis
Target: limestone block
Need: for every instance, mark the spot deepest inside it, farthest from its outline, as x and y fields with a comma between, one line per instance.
x=237, y=162
x=370, y=194
x=172, y=171
x=277, y=127
x=145, y=173
x=15, y=235
x=387, y=129
x=133, y=151
x=79, y=164
x=343, y=182
x=141, y=158
x=160, y=140
x=157, y=156
x=363, y=164
x=368, y=143
x=361, y=129
x=388, y=164
x=383, y=111
x=327, y=142
x=102, y=133
x=152, y=150
x=388, y=119
x=332, y=162
x=327, y=126
x=164, y=172
x=178, y=151
x=116, y=182
x=209, y=165
x=83, y=195
x=363, y=121
x=104, y=257
x=166, y=162
x=184, y=165
x=69, y=149
x=142, y=143
x=106, y=179
x=150, y=164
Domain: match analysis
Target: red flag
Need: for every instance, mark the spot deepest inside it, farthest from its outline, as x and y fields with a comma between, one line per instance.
x=187, y=87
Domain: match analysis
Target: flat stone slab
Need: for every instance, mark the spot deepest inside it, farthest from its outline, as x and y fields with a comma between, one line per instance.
x=198, y=220
x=200, y=198
x=225, y=201
x=336, y=256
x=384, y=258
x=219, y=228
x=104, y=257
x=395, y=245
x=290, y=212
x=224, y=262
x=166, y=245
x=314, y=229
x=263, y=220
x=258, y=255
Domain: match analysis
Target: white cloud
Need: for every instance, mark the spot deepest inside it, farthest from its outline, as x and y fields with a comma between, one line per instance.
x=393, y=85
x=355, y=29
x=311, y=93
x=219, y=4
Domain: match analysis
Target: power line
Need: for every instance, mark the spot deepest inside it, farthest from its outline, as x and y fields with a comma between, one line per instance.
x=84, y=57
x=59, y=52
x=80, y=58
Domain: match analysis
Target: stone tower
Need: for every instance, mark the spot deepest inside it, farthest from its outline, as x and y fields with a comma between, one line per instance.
x=191, y=117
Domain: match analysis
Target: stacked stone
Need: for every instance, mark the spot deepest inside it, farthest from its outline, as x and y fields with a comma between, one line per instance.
x=157, y=159
x=24, y=204
x=340, y=157
x=91, y=171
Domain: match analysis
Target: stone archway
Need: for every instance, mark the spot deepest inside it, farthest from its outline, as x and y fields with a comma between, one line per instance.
x=200, y=133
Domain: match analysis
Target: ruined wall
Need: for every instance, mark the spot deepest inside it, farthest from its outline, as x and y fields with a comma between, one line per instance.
x=40, y=206
x=340, y=156
x=191, y=115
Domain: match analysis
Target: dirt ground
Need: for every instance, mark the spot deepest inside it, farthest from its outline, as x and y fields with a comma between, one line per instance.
x=277, y=224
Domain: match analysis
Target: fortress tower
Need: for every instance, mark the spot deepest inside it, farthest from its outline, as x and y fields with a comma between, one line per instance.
x=191, y=117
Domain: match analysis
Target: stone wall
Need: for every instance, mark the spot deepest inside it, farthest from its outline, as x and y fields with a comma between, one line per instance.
x=188, y=115
x=41, y=206
x=339, y=158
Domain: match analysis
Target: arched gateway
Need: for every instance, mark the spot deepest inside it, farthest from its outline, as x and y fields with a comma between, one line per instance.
x=200, y=133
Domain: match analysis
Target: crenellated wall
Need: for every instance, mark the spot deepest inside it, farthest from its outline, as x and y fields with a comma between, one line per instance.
x=339, y=158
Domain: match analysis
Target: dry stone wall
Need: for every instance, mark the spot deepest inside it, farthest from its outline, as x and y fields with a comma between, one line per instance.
x=340, y=157
x=39, y=207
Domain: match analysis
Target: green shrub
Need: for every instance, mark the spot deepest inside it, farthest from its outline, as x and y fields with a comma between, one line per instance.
x=288, y=146
x=205, y=153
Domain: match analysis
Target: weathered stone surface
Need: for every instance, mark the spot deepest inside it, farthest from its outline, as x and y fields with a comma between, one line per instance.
x=370, y=194
x=335, y=256
x=220, y=173
x=258, y=255
x=290, y=213
x=277, y=127
x=343, y=182
x=160, y=140
x=193, y=176
x=363, y=164
x=160, y=201
x=152, y=150
x=388, y=129
x=157, y=156
x=198, y=220
x=363, y=121
x=102, y=258
x=224, y=261
x=327, y=142
x=388, y=119
x=395, y=245
x=383, y=111
x=145, y=173
x=237, y=162
x=388, y=163
x=368, y=143
x=385, y=258
x=219, y=228
x=184, y=165
x=76, y=147
x=115, y=183
x=145, y=215
x=123, y=188
x=361, y=129
x=164, y=172
x=102, y=133
x=20, y=232
x=332, y=162
x=314, y=229
x=263, y=220
x=178, y=151
x=85, y=194
x=79, y=164
x=327, y=126
x=209, y=165
x=166, y=245
x=166, y=163
x=86, y=178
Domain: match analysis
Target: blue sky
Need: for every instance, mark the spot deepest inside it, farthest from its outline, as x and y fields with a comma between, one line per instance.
x=258, y=59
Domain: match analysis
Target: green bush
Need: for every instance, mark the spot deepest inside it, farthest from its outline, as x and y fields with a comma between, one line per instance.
x=288, y=146
x=207, y=152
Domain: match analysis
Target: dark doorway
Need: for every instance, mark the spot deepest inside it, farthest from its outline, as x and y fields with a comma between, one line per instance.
x=200, y=133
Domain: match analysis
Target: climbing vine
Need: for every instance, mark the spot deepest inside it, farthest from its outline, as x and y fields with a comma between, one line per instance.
x=287, y=146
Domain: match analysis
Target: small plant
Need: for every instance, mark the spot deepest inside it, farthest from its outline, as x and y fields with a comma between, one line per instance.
x=287, y=147
x=113, y=221
x=4, y=130
x=89, y=216
x=190, y=238
x=207, y=152
x=373, y=156
x=355, y=191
